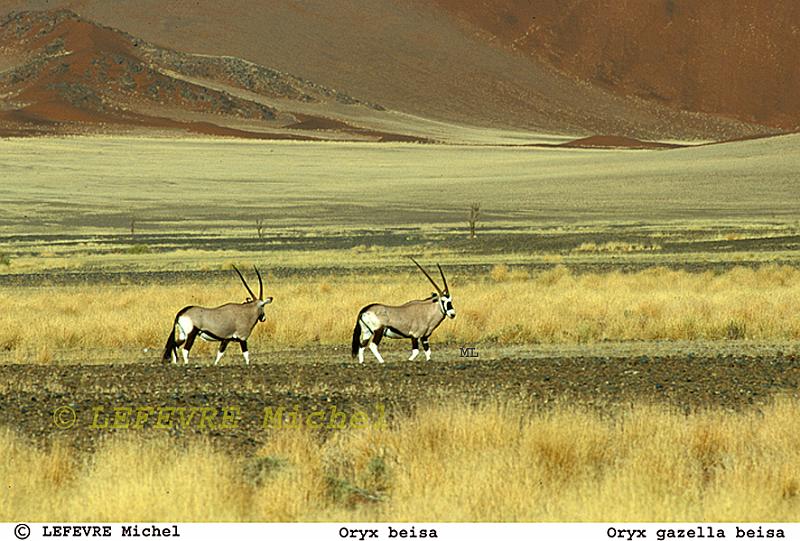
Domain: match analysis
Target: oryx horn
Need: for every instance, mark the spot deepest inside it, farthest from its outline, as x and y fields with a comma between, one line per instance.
x=446, y=289
x=260, y=284
x=252, y=295
x=428, y=276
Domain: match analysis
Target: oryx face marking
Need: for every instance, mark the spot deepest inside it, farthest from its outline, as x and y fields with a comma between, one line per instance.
x=223, y=324
x=446, y=301
x=414, y=320
x=262, y=316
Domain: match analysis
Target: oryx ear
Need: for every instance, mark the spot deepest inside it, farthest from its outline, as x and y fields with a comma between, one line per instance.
x=265, y=301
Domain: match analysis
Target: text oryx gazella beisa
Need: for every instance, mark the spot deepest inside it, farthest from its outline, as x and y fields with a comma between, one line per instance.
x=415, y=320
x=226, y=323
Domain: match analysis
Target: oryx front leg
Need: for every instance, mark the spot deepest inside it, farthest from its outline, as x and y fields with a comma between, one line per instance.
x=221, y=351
x=414, y=349
x=245, y=353
x=427, y=347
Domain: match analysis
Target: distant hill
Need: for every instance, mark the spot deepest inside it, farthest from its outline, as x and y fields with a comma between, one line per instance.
x=66, y=74
x=735, y=58
x=358, y=70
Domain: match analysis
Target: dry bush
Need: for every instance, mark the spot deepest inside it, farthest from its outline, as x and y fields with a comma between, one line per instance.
x=502, y=273
x=616, y=246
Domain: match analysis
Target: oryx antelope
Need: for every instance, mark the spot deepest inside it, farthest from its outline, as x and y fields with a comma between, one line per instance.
x=226, y=323
x=415, y=320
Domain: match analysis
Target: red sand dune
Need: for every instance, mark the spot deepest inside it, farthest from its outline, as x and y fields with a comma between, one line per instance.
x=70, y=75
x=460, y=61
x=736, y=58
x=670, y=69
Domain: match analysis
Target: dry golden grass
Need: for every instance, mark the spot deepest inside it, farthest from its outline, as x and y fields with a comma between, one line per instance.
x=505, y=307
x=446, y=463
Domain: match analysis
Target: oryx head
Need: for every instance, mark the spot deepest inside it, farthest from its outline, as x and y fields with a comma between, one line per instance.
x=260, y=300
x=442, y=296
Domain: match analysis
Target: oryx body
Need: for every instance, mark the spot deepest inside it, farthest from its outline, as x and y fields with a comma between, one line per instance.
x=230, y=322
x=415, y=320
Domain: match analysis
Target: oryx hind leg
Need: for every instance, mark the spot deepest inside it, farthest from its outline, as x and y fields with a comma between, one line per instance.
x=173, y=354
x=365, y=335
x=186, y=335
x=177, y=343
x=221, y=351
x=375, y=342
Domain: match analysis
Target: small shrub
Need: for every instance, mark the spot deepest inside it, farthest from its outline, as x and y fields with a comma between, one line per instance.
x=735, y=330
x=616, y=247
x=553, y=276
x=228, y=265
x=136, y=249
x=502, y=273
x=499, y=273
x=10, y=342
x=260, y=469
x=790, y=489
x=44, y=355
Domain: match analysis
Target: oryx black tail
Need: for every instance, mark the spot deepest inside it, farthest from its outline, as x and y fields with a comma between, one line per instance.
x=171, y=348
x=356, y=339
x=357, y=334
x=172, y=345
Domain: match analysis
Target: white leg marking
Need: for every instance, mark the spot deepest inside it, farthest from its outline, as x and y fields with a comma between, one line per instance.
x=375, y=351
x=361, y=355
x=414, y=353
x=185, y=355
x=427, y=355
x=246, y=357
x=219, y=356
